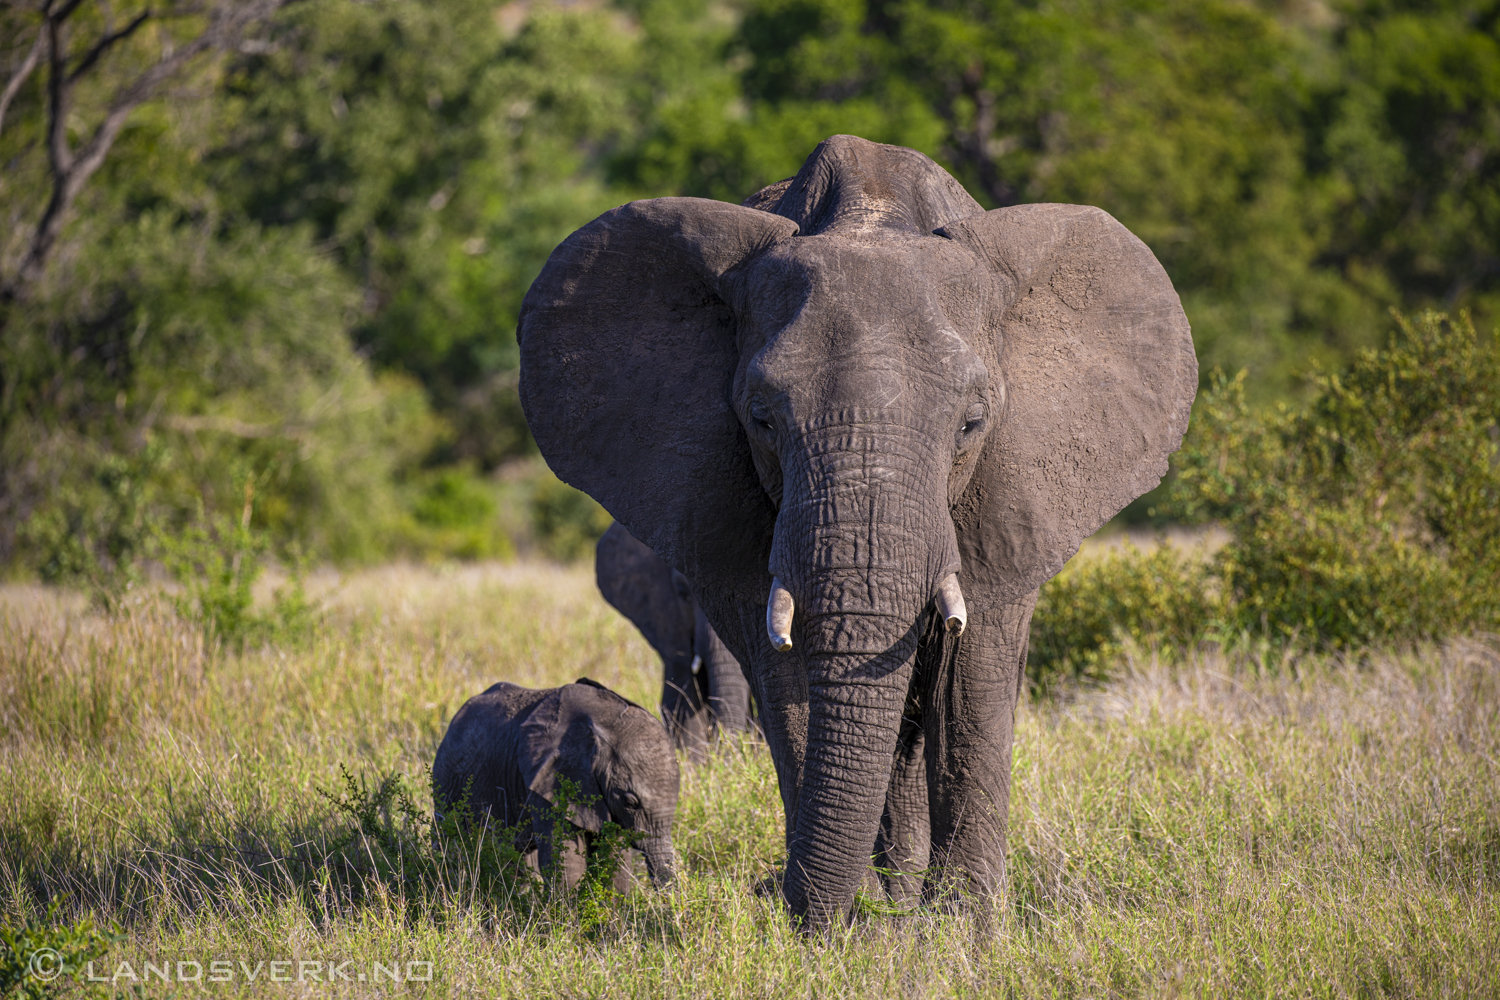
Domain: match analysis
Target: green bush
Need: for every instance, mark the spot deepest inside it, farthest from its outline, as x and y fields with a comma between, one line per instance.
x=1084, y=615
x=455, y=514
x=1371, y=515
x=35, y=956
x=567, y=522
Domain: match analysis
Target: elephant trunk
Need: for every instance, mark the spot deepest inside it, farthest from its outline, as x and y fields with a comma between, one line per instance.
x=862, y=553
x=660, y=859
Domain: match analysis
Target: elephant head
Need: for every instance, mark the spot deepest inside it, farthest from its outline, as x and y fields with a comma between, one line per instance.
x=702, y=684
x=863, y=408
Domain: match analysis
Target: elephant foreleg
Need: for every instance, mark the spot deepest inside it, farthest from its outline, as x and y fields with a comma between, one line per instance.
x=969, y=725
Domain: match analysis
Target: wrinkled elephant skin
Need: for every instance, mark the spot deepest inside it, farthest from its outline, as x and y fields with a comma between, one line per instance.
x=867, y=419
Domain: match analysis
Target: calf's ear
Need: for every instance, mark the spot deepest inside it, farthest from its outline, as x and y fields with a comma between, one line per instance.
x=557, y=741
x=1099, y=374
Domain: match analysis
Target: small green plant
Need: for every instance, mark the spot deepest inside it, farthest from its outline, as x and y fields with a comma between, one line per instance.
x=393, y=841
x=217, y=561
x=37, y=955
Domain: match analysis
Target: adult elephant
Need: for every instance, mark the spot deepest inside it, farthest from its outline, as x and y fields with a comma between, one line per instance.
x=703, y=687
x=867, y=419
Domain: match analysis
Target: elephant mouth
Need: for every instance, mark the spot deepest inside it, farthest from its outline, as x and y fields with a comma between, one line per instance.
x=781, y=607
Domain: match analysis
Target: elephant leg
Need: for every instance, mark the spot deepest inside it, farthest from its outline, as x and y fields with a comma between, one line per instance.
x=682, y=707
x=726, y=688
x=904, y=841
x=969, y=727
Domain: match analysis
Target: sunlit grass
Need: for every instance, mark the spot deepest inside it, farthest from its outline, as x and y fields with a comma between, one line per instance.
x=1219, y=828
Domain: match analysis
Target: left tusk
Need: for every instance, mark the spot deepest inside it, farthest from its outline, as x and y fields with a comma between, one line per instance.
x=697, y=664
x=950, y=604
x=779, y=610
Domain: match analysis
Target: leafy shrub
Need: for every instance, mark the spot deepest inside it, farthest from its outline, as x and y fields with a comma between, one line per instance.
x=567, y=522
x=1371, y=515
x=1374, y=513
x=96, y=527
x=455, y=514
x=1084, y=615
x=36, y=955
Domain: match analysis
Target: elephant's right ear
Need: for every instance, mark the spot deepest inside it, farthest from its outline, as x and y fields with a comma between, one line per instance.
x=641, y=587
x=628, y=354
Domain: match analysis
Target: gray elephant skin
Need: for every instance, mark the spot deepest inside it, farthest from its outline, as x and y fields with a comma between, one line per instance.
x=867, y=419
x=703, y=687
x=508, y=748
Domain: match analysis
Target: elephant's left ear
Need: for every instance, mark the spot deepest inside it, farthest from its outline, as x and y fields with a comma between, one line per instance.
x=1099, y=375
x=557, y=741
x=628, y=356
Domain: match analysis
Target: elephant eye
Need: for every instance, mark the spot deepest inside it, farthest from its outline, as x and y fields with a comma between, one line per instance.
x=631, y=800
x=973, y=418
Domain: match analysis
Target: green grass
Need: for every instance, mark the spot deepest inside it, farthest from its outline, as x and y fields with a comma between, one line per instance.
x=1221, y=827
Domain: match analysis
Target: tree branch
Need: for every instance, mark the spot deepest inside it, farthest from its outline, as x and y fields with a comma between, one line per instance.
x=13, y=87
x=71, y=169
x=58, y=92
x=104, y=43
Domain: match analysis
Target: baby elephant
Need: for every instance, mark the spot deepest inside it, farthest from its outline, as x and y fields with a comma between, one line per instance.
x=510, y=747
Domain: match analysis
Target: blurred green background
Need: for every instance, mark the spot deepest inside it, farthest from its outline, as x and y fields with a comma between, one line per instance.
x=297, y=270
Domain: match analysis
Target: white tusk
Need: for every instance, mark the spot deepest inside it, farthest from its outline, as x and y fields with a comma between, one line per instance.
x=697, y=664
x=779, y=608
x=950, y=604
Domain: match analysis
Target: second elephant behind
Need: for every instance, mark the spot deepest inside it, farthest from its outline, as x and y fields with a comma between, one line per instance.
x=703, y=685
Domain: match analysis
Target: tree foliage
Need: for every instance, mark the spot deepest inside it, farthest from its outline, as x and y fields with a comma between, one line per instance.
x=304, y=250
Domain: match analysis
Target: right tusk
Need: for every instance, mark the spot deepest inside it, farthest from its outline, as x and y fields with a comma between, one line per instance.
x=779, y=608
x=950, y=604
x=697, y=664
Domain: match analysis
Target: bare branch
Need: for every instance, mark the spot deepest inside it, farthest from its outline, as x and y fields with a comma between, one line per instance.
x=13, y=87
x=71, y=169
x=58, y=92
x=104, y=43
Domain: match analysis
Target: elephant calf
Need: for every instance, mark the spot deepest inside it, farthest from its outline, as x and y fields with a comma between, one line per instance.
x=510, y=747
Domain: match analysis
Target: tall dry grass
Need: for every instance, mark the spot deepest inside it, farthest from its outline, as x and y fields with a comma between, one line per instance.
x=1313, y=827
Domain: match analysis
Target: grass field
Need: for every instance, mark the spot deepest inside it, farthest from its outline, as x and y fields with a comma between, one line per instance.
x=1223, y=828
